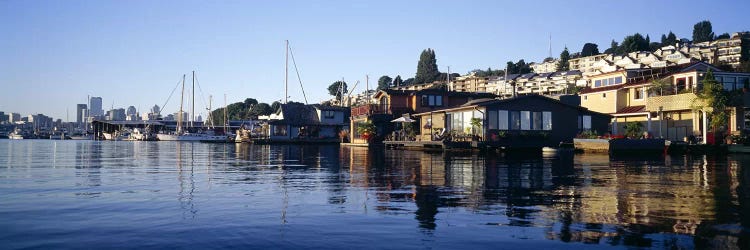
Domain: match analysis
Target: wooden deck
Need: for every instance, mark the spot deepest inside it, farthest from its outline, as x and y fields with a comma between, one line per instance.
x=433, y=145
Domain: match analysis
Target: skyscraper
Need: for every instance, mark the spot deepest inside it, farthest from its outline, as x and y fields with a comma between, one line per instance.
x=95, y=106
x=80, y=113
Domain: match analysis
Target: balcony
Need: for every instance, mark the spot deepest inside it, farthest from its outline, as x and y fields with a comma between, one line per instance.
x=373, y=109
x=676, y=102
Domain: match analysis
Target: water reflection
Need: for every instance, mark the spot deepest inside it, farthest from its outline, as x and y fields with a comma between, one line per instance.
x=663, y=201
x=285, y=192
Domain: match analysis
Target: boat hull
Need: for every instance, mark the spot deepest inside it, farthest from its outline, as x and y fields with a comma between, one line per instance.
x=192, y=137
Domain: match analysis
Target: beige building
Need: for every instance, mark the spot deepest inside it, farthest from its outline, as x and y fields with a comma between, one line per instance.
x=548, y=66
x=471, y=83
x=668, y=113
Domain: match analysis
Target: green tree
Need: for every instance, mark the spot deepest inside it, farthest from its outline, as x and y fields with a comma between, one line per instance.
x=262, y=109
x=427, y=69
x=337, y=89
x=249, y=102
x=590, y=49
x=722, y=36
x=658, y=86
x=397, y=82
x=633, y=129
x=612, y=48
x=409, y=81
x=564, y=65
x=384, y=82
x=671, y=39
x=275, y=106
x=713, y=99
x=633, y=43
x=702, y=32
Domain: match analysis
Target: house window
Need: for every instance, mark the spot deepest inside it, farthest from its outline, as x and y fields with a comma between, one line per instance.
x=279, y=130
x=638, y=93
x=680, y=85
x=536, y=121
x=585, y=97
x=598, y=83
x=584, y=122
x=547, y=120
x=432, y=101
x=525, y=120
x=604, y=95
x=618, y=79
x=328, y=114
x=492, y=118
x=502, y=119
x=515, y=120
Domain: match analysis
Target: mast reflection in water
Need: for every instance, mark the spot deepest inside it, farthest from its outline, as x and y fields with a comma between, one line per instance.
x=73, y=194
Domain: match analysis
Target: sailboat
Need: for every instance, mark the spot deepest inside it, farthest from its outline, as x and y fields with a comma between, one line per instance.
x=181, y=134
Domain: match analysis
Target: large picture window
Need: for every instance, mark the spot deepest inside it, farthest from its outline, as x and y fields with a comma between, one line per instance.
x=492, y=118
x=525, y=120
x=515, y=120
x=547, y=120
x=502, y=119
x=536, y=121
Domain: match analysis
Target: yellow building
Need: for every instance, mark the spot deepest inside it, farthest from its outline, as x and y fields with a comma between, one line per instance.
x=630, y=96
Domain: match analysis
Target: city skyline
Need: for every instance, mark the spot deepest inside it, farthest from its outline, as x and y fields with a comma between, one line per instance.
x=135, y=53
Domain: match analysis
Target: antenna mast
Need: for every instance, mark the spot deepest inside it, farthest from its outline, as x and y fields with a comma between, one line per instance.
x=286, y=73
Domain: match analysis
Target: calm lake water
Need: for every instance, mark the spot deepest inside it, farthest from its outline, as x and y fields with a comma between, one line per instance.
x=92, y=194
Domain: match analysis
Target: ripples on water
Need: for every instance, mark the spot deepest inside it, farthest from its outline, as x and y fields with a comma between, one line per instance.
x=86, y=194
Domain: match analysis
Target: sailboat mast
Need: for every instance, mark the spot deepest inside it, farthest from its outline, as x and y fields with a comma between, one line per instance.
x=192, y=102
x=210, y=115
x=225, y=114
x=179, y=115
x=286, y=73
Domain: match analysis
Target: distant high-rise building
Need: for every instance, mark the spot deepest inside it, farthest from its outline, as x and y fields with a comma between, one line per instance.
x=81, y=113
x=95, y=106
x=3, y=117
x=156, y=109
x=131, y=111
x=14, y=117
x=116, y=115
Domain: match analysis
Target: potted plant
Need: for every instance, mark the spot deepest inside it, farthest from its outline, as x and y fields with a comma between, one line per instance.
x=476, y=125
x=367, y=130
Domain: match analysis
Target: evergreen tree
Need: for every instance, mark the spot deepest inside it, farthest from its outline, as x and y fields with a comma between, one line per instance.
x=714, y=100
x=397, y=82
x=384, y=82
x=702, y=32
x=671, y=39
x=427, y=69
x=633, y=43
x=664, y=39
x=564, y=65
x=612, y=48
x=275, y=106
x=722, y=36
x=337, y=89
x=590, y=49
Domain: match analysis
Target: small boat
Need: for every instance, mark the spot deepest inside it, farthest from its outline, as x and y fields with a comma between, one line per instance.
x=82, y=137
x=142, y=135
x=243, y=135
x=16, y=135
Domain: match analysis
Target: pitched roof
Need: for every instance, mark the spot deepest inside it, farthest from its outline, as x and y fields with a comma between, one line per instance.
x=298, y=114
x=632, y=109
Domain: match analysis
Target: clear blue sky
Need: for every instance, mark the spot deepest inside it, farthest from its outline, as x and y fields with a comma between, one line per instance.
x=55, y=53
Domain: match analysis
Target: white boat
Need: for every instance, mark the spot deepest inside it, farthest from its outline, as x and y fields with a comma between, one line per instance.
x=202, y=137
x=142, y=135
x=82, y=137
x=243, y=135
x=16, y=135
x=181, y=134
x=117, y=136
